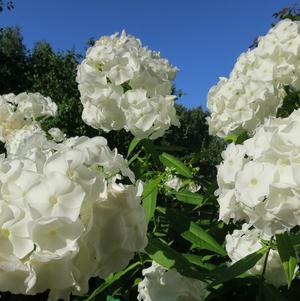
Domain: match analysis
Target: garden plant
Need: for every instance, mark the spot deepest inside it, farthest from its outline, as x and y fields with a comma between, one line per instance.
x=111, y=191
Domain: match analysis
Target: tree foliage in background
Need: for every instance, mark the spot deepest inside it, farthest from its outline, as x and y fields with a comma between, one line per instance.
x=6, y=5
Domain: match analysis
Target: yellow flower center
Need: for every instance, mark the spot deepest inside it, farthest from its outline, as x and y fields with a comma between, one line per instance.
x=253, y=181
x=4, y=232
x=53, y=200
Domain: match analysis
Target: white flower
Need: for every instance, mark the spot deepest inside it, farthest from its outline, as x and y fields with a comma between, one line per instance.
x=50, y=271
x=160, y=283
x=119, y=227
x=174, y=182
x=177, y=183
x=125, y=85
x=254, y=90
x=96, y=153
x=13, y=274
x=56, y=235
x=259, y=180
x=64, y=219
x=10, y=120
x=230, y=207
x=234, y=159
x=253, y=181
x=18, y=112
x=14, y=232
x=57, y=134
x=30, y=138
x=243, y=242
x=34, y=105
x=55, y=195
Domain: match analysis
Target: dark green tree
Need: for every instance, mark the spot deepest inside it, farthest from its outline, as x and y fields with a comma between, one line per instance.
x=6, y=5
x=13, y=61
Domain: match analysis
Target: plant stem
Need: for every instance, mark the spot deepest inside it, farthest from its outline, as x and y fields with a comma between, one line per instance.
x=261, y=282
x=265, y=264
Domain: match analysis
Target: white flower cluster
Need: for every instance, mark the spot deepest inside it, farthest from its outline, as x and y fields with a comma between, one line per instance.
x=65, y=217
x=30, y=138
x=243, y=242
x=168, y=285
x=20, y=111
x=57, y=135
x=125, y=85
x=176, y=183
x=254, y=89
x=259, y=181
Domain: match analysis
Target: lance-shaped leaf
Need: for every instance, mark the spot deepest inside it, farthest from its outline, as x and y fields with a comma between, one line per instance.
x=227, y=273
x=111, y=279
x=189, y=197
x=169, y=258
x=133, y=144
x=172, y=162
x=197, y=260
x=287, y=255
x=149, y=197
x=194, y=233
x=151, y=149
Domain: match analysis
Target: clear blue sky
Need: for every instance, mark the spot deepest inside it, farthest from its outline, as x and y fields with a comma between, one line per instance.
x=202, y=37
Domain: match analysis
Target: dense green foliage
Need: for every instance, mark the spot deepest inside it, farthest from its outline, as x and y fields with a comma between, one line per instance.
x=6, y=5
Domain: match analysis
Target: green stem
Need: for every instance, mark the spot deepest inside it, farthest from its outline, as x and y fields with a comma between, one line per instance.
x=265, y=264
x=262, y=278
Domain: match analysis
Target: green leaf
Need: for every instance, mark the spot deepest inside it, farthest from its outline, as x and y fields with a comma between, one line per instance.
x=169, y=258
x=194, y=233
x=172, y=162
x=134, y=142
x=227, y=273
x=237, y=139
x=149, y=197
x=136, y=282
x=133, y=158
x=110, y=298
x=189, y=197
x=231, y=138
x=287, y=255
x=162, y=253
x=291, y=102
x=150, y=186
x=149, y=204
x=150, y=149
x=197, y=260
x=295, y=239
x=241, y=138
x=111, y=279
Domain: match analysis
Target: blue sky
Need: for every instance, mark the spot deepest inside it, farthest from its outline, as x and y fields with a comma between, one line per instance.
x=202, y=37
